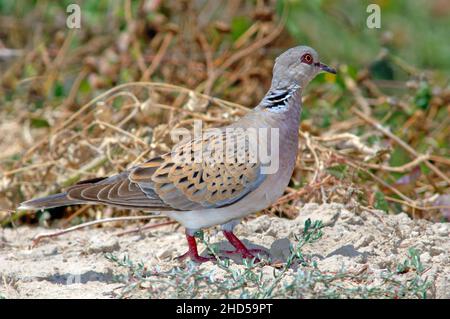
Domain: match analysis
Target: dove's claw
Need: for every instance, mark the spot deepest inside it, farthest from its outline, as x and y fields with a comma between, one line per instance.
x=240, y=247
x=193, y=252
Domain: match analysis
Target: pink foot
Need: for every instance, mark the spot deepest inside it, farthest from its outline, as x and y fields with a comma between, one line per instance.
x=240, y=247
x=196, y=258
x=193, y=252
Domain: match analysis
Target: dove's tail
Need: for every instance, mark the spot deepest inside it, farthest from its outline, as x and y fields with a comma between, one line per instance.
x=51, y=201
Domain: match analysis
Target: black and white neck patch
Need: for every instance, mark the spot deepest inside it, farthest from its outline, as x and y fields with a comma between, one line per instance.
x=276, y=100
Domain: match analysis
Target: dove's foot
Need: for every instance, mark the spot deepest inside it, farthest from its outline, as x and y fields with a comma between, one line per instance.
x=240, y=248
x=193, y=252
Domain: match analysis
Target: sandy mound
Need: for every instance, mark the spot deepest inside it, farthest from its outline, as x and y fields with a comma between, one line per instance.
x=365, y=246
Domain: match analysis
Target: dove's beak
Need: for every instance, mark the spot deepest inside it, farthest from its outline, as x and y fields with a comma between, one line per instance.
x=325, y=68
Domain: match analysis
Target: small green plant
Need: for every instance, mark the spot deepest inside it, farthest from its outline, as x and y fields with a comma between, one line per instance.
x=412, y=262
x=298, y=277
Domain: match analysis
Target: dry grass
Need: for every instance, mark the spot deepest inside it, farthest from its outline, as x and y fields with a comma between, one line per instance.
x=66, y=114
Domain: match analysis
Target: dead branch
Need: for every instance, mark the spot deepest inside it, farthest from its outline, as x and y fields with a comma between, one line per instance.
x=401, y=143
x=38, y=237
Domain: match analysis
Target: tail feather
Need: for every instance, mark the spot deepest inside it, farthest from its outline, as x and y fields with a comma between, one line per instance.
x=51, y=201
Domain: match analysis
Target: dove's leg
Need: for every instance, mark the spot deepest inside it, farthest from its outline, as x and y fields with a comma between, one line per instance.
x=192, y=249
x=236, y=243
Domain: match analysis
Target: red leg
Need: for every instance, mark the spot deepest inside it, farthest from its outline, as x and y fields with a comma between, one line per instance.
x=240, y=247
x=193, y=252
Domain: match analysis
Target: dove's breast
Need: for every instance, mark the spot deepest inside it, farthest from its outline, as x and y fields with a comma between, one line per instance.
x=273, y=185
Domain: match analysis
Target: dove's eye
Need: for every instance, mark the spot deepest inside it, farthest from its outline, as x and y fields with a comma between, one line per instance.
x=307, y=58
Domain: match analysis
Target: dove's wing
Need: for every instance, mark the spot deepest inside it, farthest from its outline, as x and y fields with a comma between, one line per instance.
x=186, y=181
x=176, y=181
x=117, y=190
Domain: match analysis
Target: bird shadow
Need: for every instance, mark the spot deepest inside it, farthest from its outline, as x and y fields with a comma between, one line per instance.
x=279, y=252
x=89, y=276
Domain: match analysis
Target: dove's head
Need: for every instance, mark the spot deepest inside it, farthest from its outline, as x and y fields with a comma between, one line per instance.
x=298, y=65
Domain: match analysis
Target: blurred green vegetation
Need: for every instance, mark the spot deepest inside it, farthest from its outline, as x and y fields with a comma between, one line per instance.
x=416, y=30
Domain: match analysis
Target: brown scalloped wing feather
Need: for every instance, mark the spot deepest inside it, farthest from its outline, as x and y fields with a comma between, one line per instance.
x=186, y=181
x=119, y=191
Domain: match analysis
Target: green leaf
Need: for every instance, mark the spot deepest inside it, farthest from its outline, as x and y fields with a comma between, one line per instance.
x=352, y=72
x=415, y=259
x=340, y=83
x=238, y=27
x=117, y=103
x=326, y=121
x=8, y=96
x=199, y=234
x=423, y=96
x=338, y=171
x=39, y=104
x=58, y=89
x=125, y=76
x=382, y=69
x=373, y=139
x=85, y=87
x=399, y=157
x=307, y=225
x=39, y=123
x=402, y=268
x=380, y=202
x=30, y=70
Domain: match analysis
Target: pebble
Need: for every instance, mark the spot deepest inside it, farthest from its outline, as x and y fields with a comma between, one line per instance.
x=442, y=231
x=361, y=259
x=364, y=241
x=384, y=263
x=429, y=232
x=435, y=251
x=369, y=250
x=425, y=257
x=103, y=245
x=268, y=271
x=167, y=253
x=414, y=234
x=328, y=214
x=438, y=258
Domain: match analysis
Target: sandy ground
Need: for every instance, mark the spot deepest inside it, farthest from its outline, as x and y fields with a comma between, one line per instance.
x=74, y=265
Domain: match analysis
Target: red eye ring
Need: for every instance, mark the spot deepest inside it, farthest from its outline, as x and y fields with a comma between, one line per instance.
x=307, y=58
